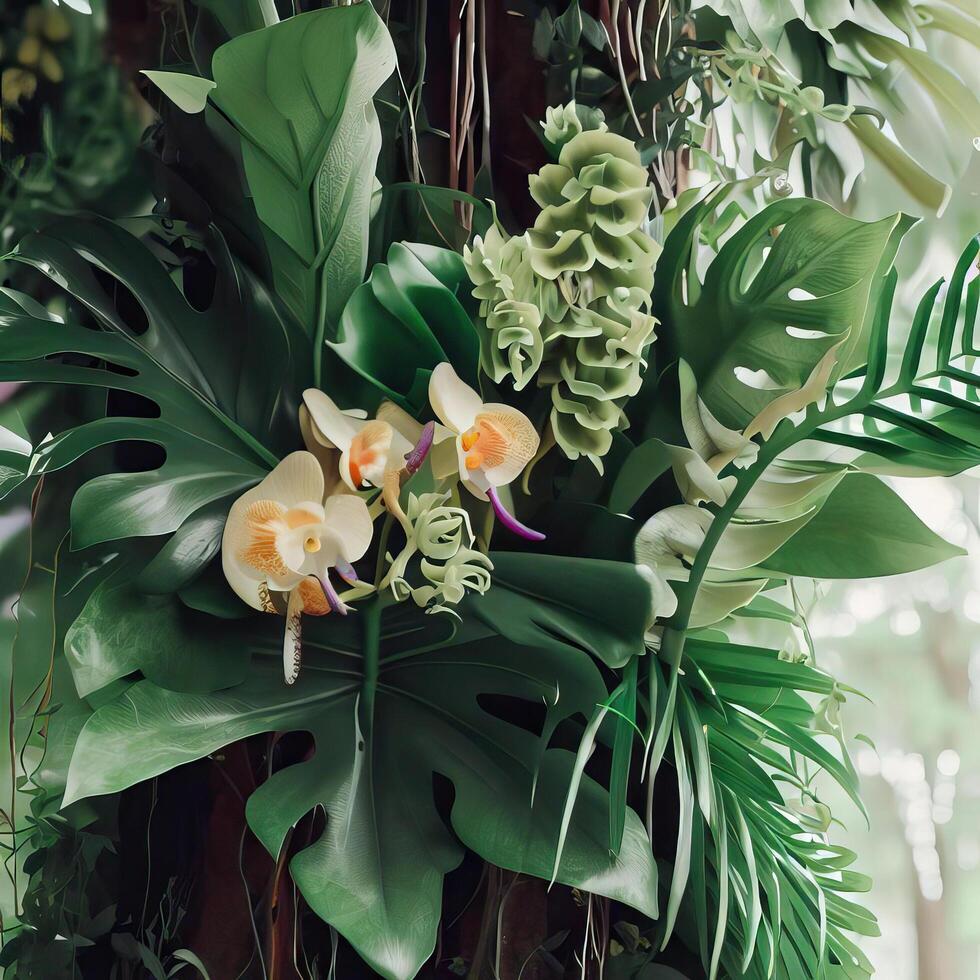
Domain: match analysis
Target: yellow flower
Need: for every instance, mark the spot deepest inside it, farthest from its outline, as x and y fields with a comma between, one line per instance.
x=17, y=84
x=43, y=26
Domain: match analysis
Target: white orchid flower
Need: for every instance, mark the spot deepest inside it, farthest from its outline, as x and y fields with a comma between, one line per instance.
x=494, y=442
x=374, y=452
x=282, y=540
x=664, y=548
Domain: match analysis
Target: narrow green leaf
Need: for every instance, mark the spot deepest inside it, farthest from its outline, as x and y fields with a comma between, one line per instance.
x=621, y=755
x=682, y=854
x=719, y=831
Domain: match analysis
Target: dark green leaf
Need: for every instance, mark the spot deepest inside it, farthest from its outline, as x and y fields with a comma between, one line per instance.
x=376, y=872
x=309, y=141
x=863, y=530
x=567, y=605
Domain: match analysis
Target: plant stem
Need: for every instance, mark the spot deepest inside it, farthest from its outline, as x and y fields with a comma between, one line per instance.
x=371, y=646
x=673, y=644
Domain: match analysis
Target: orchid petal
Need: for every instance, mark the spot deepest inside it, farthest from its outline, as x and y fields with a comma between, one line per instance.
x=514, y=442
x=403, y=423
x=349, y=520
x=327, y=456
x=331, y=426
x=296, y=480
x=452, y=399
x=374, y=450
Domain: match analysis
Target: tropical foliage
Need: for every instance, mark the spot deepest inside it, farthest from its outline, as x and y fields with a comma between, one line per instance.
x=441, y=522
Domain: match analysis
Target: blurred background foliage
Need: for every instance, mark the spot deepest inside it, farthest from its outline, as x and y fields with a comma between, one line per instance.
x=912, y=644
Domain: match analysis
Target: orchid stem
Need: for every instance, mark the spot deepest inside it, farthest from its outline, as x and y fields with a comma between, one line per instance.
x=371, y=651
x=485, y=536
x=382, y=548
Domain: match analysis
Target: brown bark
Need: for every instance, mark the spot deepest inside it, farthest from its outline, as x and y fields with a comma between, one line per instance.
x=523, y=928
x=222, y=932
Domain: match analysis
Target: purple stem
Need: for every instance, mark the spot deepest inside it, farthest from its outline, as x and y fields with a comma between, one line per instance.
x=509, y=521
x=330, y=593
x=415, y=458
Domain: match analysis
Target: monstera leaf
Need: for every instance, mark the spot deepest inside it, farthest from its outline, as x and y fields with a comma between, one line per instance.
x=599, y=607
x=386, y=715
x=219, y=436
x=299, y=95
x=794, y=281
x=910, y=413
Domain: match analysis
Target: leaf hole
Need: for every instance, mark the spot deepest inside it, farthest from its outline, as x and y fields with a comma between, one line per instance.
x=81, y=359
x=528, y=715
x=801, y=333
x=760, y=380
x=123, y=300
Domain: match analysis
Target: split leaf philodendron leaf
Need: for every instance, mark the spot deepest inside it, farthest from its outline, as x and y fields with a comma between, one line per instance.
x=771, y=305
x=376, y=872
x=310, y=141
x=219, y=432
x=176, y=647
x=566, y=604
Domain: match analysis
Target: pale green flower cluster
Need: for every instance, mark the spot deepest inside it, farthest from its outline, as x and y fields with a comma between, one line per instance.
x=442, y=541
x=563, y=122
x=568, y=302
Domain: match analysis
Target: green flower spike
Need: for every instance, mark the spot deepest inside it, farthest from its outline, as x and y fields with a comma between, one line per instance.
x=513, y=304
x=563, y=123
x=568, y=302
x=594, y=202
x=599, y=371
